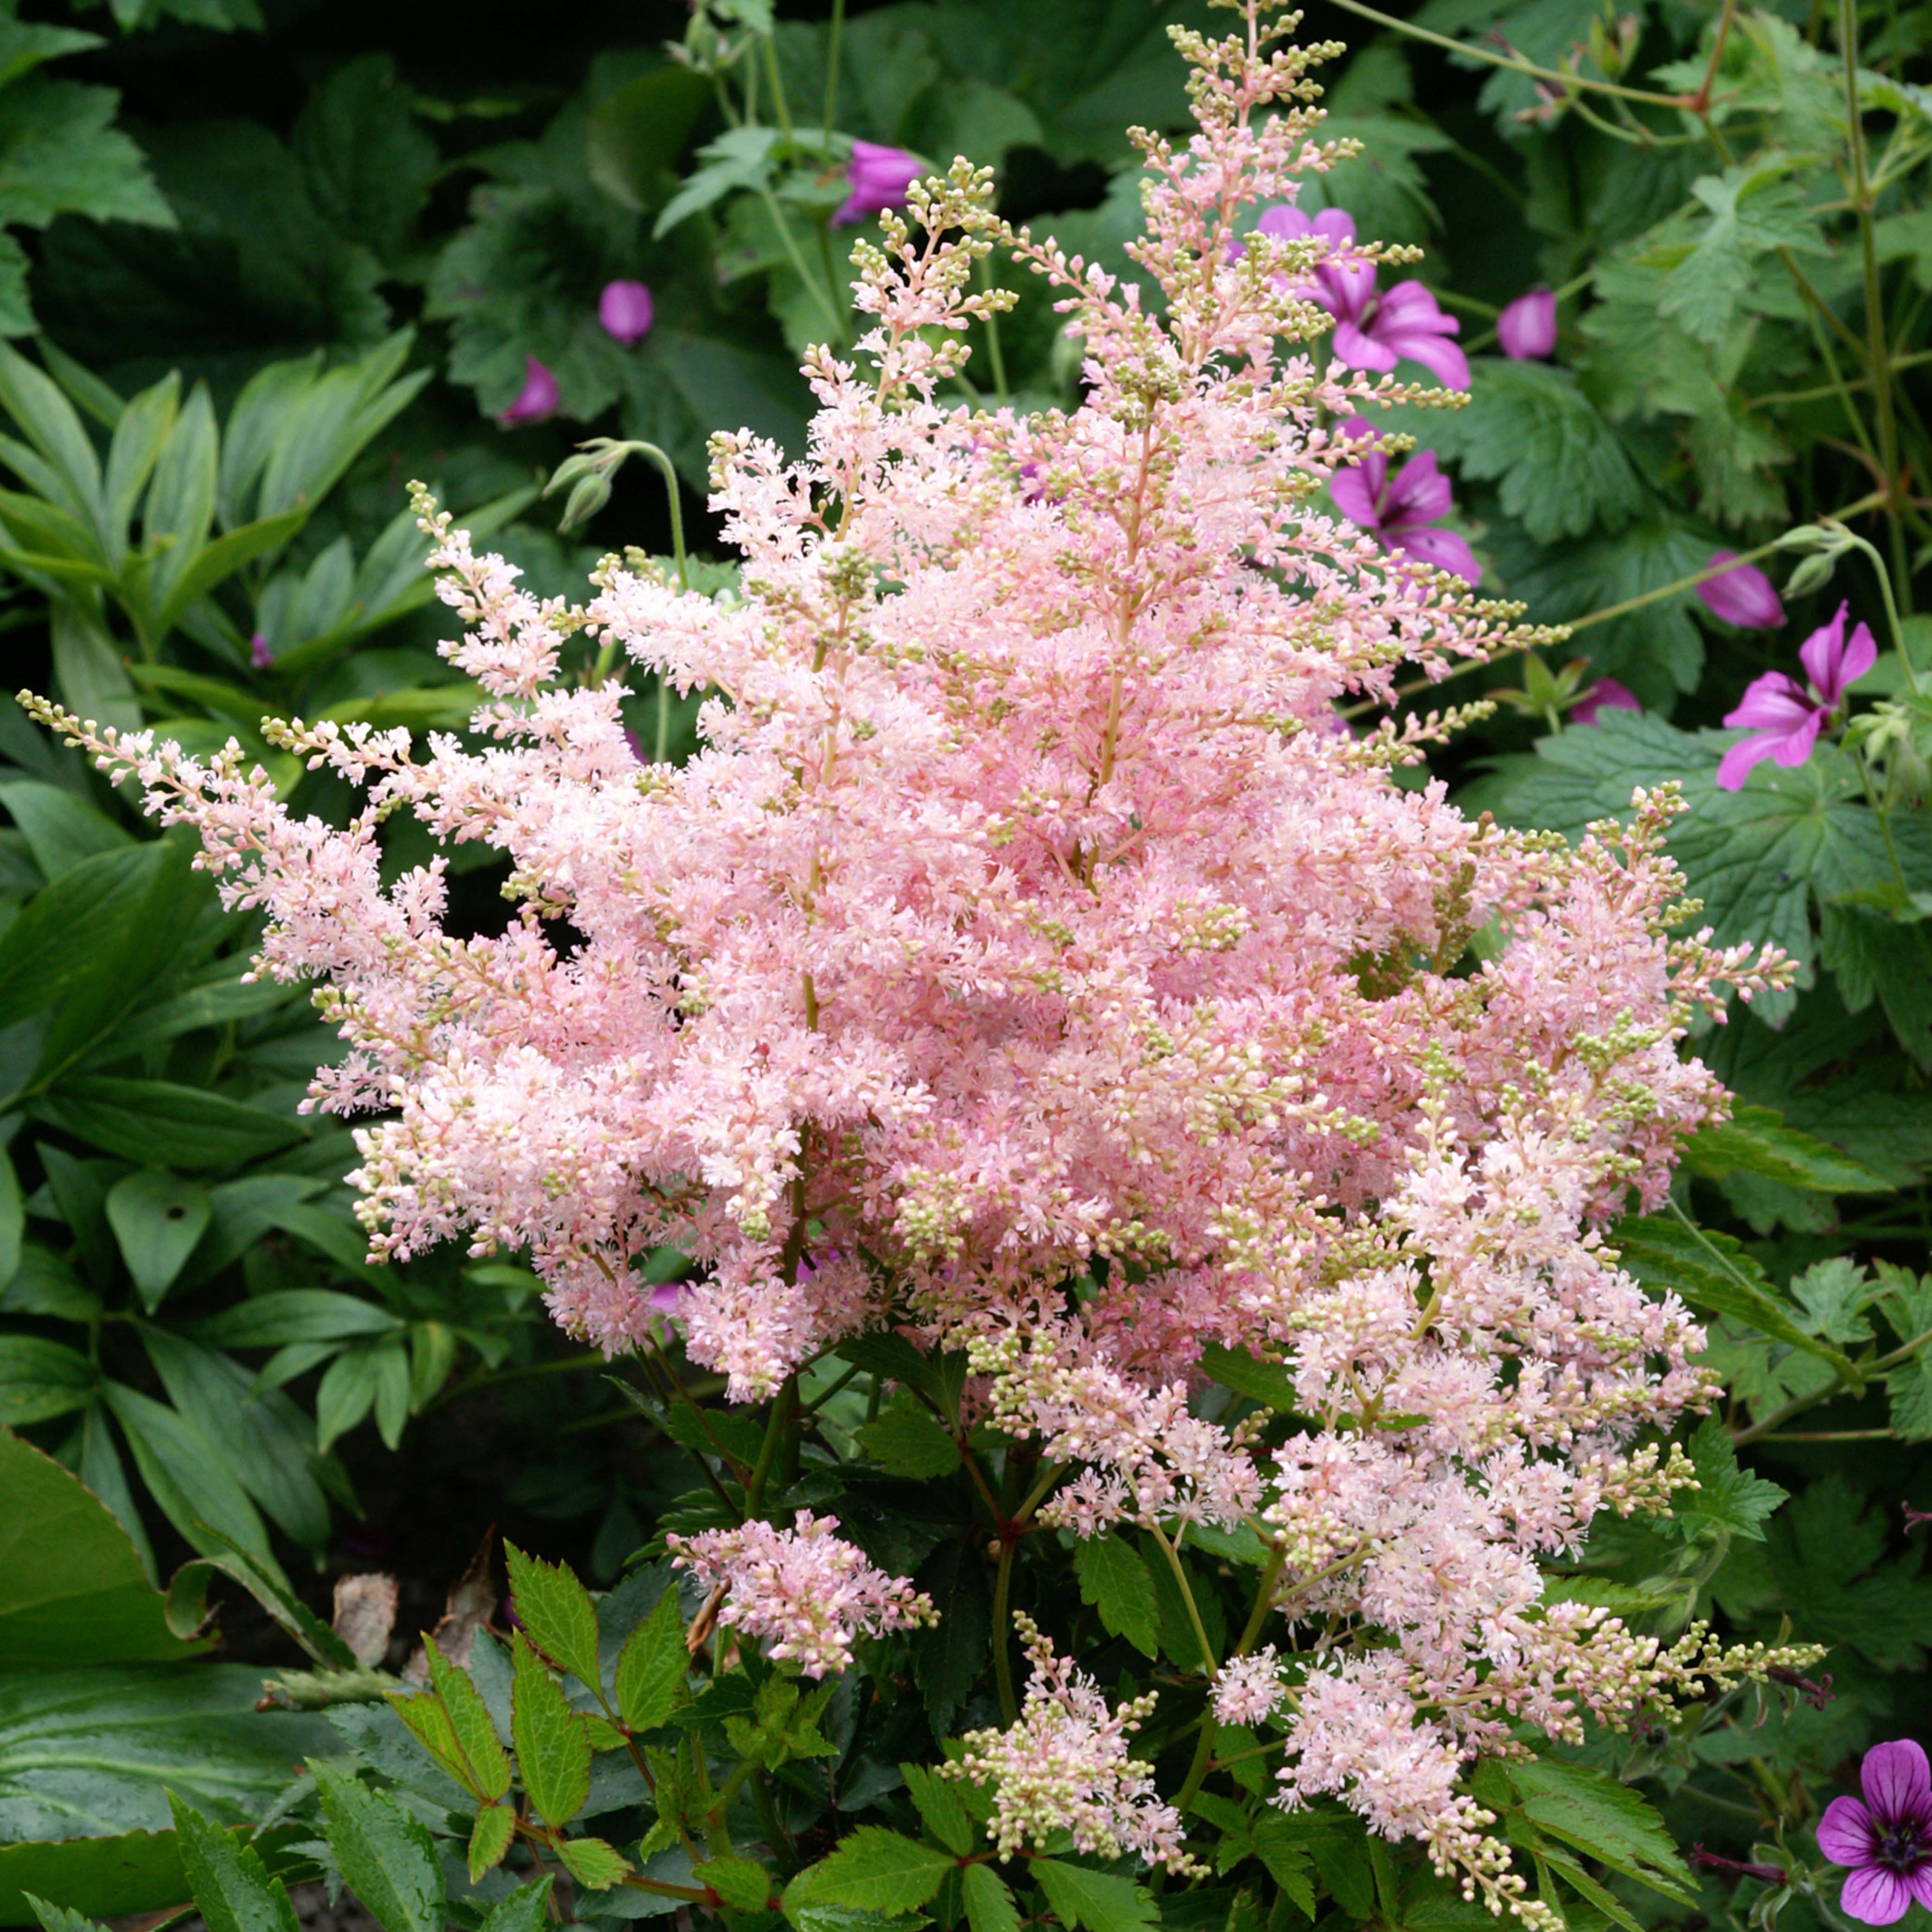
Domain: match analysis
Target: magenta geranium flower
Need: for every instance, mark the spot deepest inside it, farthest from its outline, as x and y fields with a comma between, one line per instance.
x=626, y=310
x=1742, y=596
x=259, y=656
x=1887, y=1840
x=1399, y=509
x=1372, y=331
x=1606, y=695
x=537, y=399
x=879, y=178
x=1526, y=330
x=1785, y=718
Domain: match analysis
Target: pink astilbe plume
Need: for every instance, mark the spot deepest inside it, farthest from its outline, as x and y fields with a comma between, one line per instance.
x=1023, y=960
x=805, y=1591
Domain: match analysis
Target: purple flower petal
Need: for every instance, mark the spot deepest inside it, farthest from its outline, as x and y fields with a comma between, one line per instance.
x=1735, y=766
x=1898, y=1780
x=1442, y=549
x=1774, y=702
x=1355, y=492
x=1834, y=666
x=879, y=177
x=627, y=311
x=1744, y=596
x=1526, y=329
x=1443, y=359
x=1845, y=1832
x=1354, y=350
x=1420, y=494
x=1606, y=695
x=1795, y=746
x=259, y=656
x=1874, y=1895
x=537, y=399
x=1918, y=1881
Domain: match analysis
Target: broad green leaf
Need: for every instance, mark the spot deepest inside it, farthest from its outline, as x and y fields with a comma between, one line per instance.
x=187, y=1609
x=1712, y=1271
x=1755, y=1140
x=906, y=1440
x=366, y=159
x=523, y=1910
x=139, y=434
x=156, y=1218
x=1753, y=209
x=1284, y=1852
x=64, y=929
x=989, y=1900
x=648, y=1684
x=188, y=1476
x=489, y=1838
x=1115, y=1581
x=552, y=1747
x=89, y=673
x=638, y=131
x=471, y=1725
x=1095, y=1901
x=1248, y=1375
x=743, y=1884
x=160, y=1120
x=40, y=1379
x=428, y=1719
x=1607, y=1821
x=230, y=1884
x=73, y=1589
x=61, y=154
x=13, y=1225
x=876, y=1871
x=940, y=1809
x=295, y=1315
x=218, y=561
x=43, y=414
x=387, y=1858
x=371, y=1375
x=556, y=1613
x=60, y=830
x=180, y=508
x=105, y=1876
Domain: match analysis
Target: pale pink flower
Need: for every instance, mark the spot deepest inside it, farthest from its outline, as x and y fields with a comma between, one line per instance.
x=1401, y=509
x=880, y=178
x=1887, y=1840
x=1372, y=331
x=1249, y=1689
x=536, y=400
x=1785, y=718
x=1066, y=1765
x=626, y=310
x=1526, y=329
x=1742, y=596
x=804, y=1591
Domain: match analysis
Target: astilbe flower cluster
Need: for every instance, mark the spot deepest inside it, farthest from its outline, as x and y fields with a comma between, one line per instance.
x=805, y=1591
x=1024, y=959
x=1066, y=1766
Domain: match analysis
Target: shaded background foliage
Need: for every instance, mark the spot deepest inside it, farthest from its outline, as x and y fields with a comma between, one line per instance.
x=284, y=258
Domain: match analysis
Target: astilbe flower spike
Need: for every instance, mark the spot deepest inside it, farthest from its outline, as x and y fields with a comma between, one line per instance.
x=1022, y=922
x=805, y=1590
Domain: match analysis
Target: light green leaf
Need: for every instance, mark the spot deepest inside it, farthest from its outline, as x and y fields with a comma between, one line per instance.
x=1755, y=1140
x=553, y=1747
x=744, y=1886
x=907, y=1442
x=989, y=1901
x=1095, y=1901
x=471, y=1725
x=940, y=1807
x=1247, y=1374
x=489, y=1838
x=556, y=1613
x=648, y=1684
x=1115, y=1580
x=295, y=1315
x=523, y=1910
x=1728, y=1500
x=875, y=1871
x=1590, y=1810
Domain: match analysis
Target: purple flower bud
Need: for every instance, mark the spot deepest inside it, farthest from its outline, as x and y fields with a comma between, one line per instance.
x=880, y=178
x=1744, y=596
x=1606, y=695
x=537, y=399
x=259, y=656
x=626, y=310
x=1527, y=329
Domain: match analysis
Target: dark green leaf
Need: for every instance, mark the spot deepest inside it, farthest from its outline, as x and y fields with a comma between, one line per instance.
x=1587, y=1808
x=907, y=1441
x=230, y=1884
x=1095, y=1901
x=1728, y=1498
x=295, y=1315
x=157, y=1219
x=1247, y=1374
x=386, y=1857
x=989, y=1901
x=940, y=1809
x=39, y=1380
x=157, y=1121
x=1115, y=1580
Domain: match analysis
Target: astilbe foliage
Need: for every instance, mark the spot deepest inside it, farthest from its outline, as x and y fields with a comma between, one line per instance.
x=1026, y=958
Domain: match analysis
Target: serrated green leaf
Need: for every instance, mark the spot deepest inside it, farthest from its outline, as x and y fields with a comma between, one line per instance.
x=230, y=1884
x=1093, y=1901
x=1608, y=1821
x=428, y=1722
x=595, y=1864
x=648, y=1684
x=906, y=1440
x=939, y=1809
x=1115, y=1581
x=989, y=1900
x=557, y=1611
x=1728, y=1498
x=58, y=1918
x=552, y=1747
x=526, y=1909
x=386, y=1856
x=742, y=1883
x=471, y=1727
x=1284, y=1851
x=489, y=1838
x=875, y=1871
x=1755, y=1140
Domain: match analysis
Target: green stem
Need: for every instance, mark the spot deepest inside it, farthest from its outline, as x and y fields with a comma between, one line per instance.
x=805, y=274
x=1003, y=1662
x=832, y=67
x=1515, y=63
x=1891, y=607
x=777, y=1427
x=778, y=100
x=1173, y=1556
x=1866, y=1372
